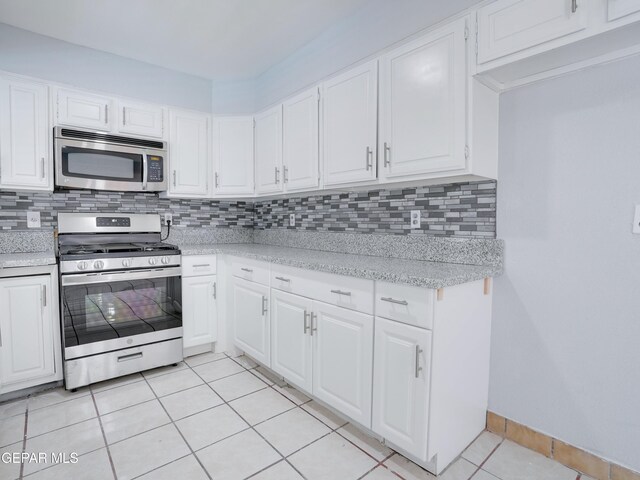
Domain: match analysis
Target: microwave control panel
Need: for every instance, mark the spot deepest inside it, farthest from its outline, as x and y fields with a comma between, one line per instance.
x=154, y=169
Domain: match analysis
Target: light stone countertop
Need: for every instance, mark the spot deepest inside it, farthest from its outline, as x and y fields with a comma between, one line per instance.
x=37, y=259
x=411, y=272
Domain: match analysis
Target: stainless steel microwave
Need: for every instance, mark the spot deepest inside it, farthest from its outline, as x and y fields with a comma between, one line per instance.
x=102, y=161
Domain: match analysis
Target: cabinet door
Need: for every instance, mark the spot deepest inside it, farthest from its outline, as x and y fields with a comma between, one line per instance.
x=509, y=26
x=621, y=8
x=291, y=354
x=300, y=141
x=342, y=360
x=233, y=155
x=26, y=329
x=141, y=119
x=25, y=159
x=401, y=385
x=423, y=105
x=199, y=314
x=268, y=151
x=188, y=153
x=251, y=319
x=350, y=116
x=85, y=110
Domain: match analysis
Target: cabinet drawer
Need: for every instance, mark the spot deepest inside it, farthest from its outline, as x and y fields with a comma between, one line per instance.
x=251, y=270
x=197, y=265
x=404, y=303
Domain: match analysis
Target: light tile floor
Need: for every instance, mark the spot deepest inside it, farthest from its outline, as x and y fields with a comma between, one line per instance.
x=217, y=417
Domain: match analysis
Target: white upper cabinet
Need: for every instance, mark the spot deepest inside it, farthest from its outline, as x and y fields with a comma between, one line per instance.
x=509, y=26
x=233, y=155
x=25, y=153
x=86, y=110
x=423, y=105
x=268, y=151
x=188, y=153
x=621, y=8
x=350, y=117
x=141, y=119
x=300, y=141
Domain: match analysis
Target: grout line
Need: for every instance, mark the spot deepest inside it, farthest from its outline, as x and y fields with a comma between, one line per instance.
x=24, y=437
x=104, y=438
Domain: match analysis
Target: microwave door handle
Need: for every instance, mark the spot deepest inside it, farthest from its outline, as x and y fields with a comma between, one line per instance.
x=144, y=170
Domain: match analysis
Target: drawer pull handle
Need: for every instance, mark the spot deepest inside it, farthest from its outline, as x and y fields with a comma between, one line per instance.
x=247, y=270
x=202, y=265
x=306, y=324
x=418, y=367
x=340, y=292
x=282, y=279
x=393, y=300
x=133, y=356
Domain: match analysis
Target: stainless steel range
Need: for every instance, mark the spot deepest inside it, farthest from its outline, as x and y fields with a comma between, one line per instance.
x=121, y=305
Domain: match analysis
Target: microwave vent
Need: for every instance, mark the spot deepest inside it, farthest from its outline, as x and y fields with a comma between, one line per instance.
x=106, y=137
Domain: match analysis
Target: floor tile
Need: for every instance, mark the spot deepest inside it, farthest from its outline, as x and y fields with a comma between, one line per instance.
x=365, y=442
x=246, y=362
x=53, y=397
x=214, y=370
x=90, y=466
x=11, y=409
x=122, y=397
x=481, y=447
x=133, y=420
x=324, y=415
x=187, y=468
x=296, y=396
x=261, y=405
x=10, y=471
x=60, y=415
x=237, y=457
x=174, y=382
x=279, y=471
x=482, y=475
x=11, y=430
x=406, y=469
x=381, y=473
x=330, y=458
x=210, y=426
x=460, y=469
x=188, y=402
x=292, y=430
x=204, y=358
x=237, y=385
x=79, y=438
x=513, y=462
x=116, y=382
x=155, y=372
x=147, y=451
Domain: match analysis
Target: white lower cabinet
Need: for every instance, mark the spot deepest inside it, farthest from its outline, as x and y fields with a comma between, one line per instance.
x=199, y=311
x=251, y=319
x=28, y=326
x=401, y=369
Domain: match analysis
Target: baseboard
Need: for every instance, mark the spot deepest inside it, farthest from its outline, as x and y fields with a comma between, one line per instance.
x=569, y=455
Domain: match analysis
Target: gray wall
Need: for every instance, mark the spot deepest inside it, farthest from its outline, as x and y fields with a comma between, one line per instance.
x=28, y=53
x=566, y=323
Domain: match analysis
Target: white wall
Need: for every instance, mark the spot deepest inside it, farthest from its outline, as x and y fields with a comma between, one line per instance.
x=44, y=57
x=566, y=323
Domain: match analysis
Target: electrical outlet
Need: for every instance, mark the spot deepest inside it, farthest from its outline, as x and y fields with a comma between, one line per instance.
x=33, y=219
x=636, y=220
x=292, y=219
x=168, y=217
x=415, y=219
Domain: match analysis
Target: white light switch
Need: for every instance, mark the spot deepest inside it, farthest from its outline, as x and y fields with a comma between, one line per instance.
x=33, y=219
x=415, y=219
x=292, y=219
x=636, y=220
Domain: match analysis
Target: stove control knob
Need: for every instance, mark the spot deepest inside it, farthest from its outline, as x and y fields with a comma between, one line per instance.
x=98, y=264
x=153, y=261
x=82, y=265
x=165, y=260
x=126, y=262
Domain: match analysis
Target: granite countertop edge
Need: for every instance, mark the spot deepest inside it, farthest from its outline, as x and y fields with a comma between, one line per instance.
x=28, y=259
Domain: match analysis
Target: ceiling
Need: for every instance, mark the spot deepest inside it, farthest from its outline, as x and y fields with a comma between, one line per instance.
x=216, y=39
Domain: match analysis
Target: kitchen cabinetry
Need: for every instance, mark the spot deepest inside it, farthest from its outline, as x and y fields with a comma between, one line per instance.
x=25, y=144
x=199, y=300
x=300, y=141
x=141, y=119
x=423, y=91
x=621, y=8
x=268, y=151
x=350, y=120
x=86, y=110
x=188, y=153
x=251, y=319
x=233, y=155
x=29, y=329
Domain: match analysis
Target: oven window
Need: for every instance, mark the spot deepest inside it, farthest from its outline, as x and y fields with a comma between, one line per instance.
x=97, y=312
x=101, y=165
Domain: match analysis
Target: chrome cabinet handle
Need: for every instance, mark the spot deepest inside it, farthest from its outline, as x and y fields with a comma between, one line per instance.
x=306, y=324
x=42, y=166
x=418, y=367
x=340, y=292
x=282, y=279
x=264, y=305
x=246, y=270
x=314, y=327
x=215, y=290
x=574, y=6
x=202, y=265
x=387, y=151
x=132, y=356
x=217, y=180
x=174, y=178
x=393, y=300
x=285, y=174
x=124, y=117
x=369, y=158
x=106, y=114
x=44, y=295
x=277, y=171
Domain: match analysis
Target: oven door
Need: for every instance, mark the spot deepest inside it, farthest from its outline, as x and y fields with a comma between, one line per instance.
x=102, y=312
x=105, y=166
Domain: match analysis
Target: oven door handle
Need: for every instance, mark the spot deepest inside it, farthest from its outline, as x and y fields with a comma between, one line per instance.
x=89, y=278
x=144, y=170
